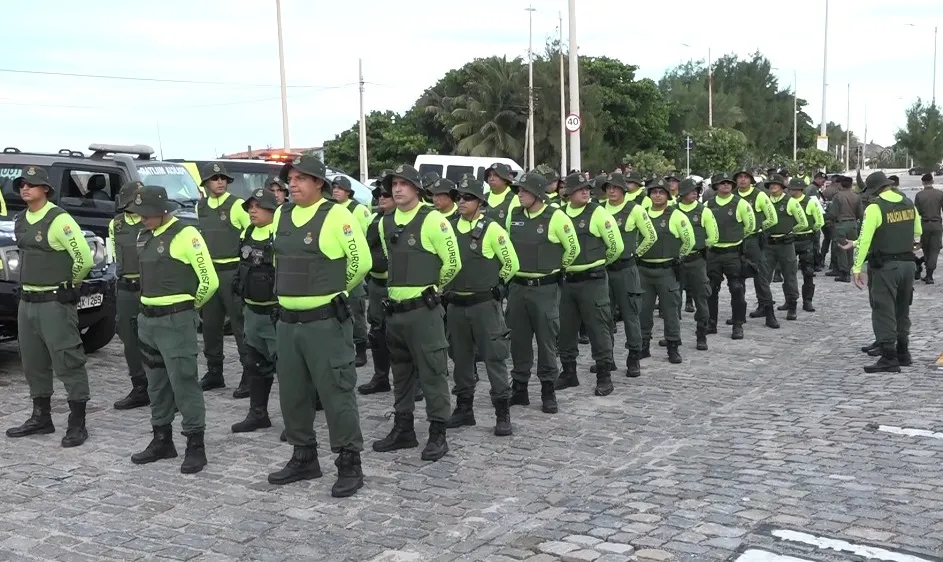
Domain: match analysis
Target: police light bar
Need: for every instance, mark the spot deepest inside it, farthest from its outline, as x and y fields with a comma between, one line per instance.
x=142, y=151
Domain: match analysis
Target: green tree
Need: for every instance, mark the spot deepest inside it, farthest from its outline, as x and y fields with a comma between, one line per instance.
x=923, y=135
x=717, y=150
x=391, y=140
x=813, y=159
x=649, y=162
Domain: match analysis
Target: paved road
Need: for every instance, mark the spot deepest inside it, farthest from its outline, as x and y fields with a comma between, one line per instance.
x=774, y=445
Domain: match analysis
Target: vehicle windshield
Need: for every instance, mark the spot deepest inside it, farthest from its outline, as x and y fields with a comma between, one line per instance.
x=172, y=177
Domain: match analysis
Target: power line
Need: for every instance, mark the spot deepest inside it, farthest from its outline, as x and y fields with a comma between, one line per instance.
x=161, y=80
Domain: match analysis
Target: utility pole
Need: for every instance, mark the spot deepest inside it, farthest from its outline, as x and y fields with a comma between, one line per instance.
x=795, y=115
x=710, y=94
x=822, y=133
x=687, y=151
x=160, y=142
x=575, y=153
x=529, y=165
x=562, y=105
x=363, y=129
x=935, y=29
x=281, y=69
x=848, y=132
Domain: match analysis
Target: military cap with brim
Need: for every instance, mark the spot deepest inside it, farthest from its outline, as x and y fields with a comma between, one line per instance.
x=33, y=175
x=721, y=178
x=151, y=201
x=503, y=171
x=618, y=180
x=532, y=183
x=428, y=179
x=126, y=194
x=276, y=181
x=657, y=184
x=307, y=164
x=687, y=186
x=777, y=179
x=343, y=183
x=742, y=171
x=471, y=186
x=575, y=182
x=405, y=172
x=797, y=184
x=265, y=198
x=442, y=186
x=634, y=177
x=551, y=175
x=672, y=176
x=211, y=169
x=877, y=181
x=819, y=175
x=926, y=177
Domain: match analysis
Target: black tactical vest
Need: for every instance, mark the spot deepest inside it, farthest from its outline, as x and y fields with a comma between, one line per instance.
x=629, y=239
x=410, y=264
x=126, y=246
x=39, y=263
x=301, y=268
x=478, y=273
x=895, y=234
x=380, y=262
x=785, y=222
x=729, y=228
x=535, y=251
x=592, y=247
x=500, y=212
x=700, y=233
x=257, y=268
x=222, y=238
x=161, y=274
x=667, y=246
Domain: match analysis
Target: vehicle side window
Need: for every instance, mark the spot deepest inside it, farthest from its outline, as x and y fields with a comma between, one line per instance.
x=482, y=172
x=8, y=173
x=455, y=173
x=426, y=168
x=89, y=188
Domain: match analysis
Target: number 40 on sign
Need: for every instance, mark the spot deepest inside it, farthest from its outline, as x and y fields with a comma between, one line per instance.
x=573, y=122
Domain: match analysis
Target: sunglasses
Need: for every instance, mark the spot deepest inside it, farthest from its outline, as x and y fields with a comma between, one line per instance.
x=467, y=197
x=217, y=178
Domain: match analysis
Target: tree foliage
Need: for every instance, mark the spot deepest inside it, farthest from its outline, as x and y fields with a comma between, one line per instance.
x=809, y=159
x=391, y=140
x=923, y=135
x=717, y=150
x=649, y=163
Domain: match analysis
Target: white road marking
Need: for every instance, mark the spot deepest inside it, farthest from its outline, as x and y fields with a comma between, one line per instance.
x=753, y=555
x=844, y=546
x=910, y=432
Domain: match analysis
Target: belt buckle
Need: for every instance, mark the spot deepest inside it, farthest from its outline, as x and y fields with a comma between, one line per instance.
x=532, y=282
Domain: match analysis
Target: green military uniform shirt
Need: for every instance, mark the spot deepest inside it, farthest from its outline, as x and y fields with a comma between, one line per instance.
x=633, y=222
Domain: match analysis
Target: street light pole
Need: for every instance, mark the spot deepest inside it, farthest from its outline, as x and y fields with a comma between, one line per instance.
x=562, y=105
x=795, y=116
x=363, y=129
x=848, y=132
x=530, y=89
x=935, y=28
x=281, y=69
x=710, y=91
x=575, y=163
x=824, y=80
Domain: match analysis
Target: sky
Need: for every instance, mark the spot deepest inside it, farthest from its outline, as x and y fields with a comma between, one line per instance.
x=406, y=46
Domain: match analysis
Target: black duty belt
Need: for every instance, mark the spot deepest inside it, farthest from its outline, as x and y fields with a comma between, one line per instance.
x=453, y=299
x=909, y=256
x=263, y=309
x=399, y=307
x=695, y=255
x=325, y=312
x=166, y=309
x=227, y=266
x=624, y=263
x=38, y=296
x=378, y=281
x=656, y=265
x=588, y=275
x=129, y=284
x=804, y=236
x=846, y=220
x=551, y=279
x=937, y=219
x=726, y=249
x=779, y=240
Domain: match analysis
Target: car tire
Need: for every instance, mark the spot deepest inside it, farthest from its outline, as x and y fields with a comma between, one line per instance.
x=99, y=334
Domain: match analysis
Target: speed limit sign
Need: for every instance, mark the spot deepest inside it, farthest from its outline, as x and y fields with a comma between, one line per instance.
x=573, y=122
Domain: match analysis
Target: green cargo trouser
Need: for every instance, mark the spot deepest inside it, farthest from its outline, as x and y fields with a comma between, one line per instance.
x=625, y=290
x=587, y=302
x=931, y=241
x=224, y=302
x=318, y=357
x=752, y=251
x=169, y=350
x=260, y=339
x=375, y=314
x=50, y=343
x=128, y=304
x=805, y=251
x=847, y=229
x=358, y=311
x=660, y=282
x=694, y=281
x=721, y=263
x=534, y=312
x=479, y=326
x=892, y=292
x=783, y=256
x=419, y=356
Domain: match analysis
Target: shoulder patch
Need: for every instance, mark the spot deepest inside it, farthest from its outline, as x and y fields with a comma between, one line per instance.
x=502, y=240
x=566, y=228
x=444, y=227
x=195, y=242
x=67, y=230
x=608, y=225
x=348, y=231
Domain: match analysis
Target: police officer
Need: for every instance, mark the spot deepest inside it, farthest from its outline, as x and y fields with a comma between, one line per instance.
x=279, y=189
x=635, y=193
x=734, y=218
x=442, y=192
x=890, y=225
x=376, y=291
x=255, y=284
x=423, y=254
x=343, y=194
x=929, y=203
x=674, y=184
x=54, y=259
x=845, y=210
x=546, y=243
x=553, y=186
x=780, y=251
x=122, y=239
x=625, y=289
x=320, y=255
x=222, y=222
x=177, y=277
x=694, y=279
x=476, y=317
x=659, y=266
x=585, y=293
x=805, y=238
x=754, y=242
x=501, y=198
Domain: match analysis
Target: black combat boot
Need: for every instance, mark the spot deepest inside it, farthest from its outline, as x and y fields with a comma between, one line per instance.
x=701, y=334
x=646, y=350
x=349, y=474
x=903, y=353
x=674, y=356
x=760, y=312
x=548, y=398
x=303, y=465
x=791, y=312
x=502, y=415
x=75, y=433
x=612, y=367
x=843, y=277
x=464, y=413
x=519, y=395
x=161, y=447
x=737, y=332
x=783, y=307
x=379, y=383
x=632, y=367
x=689, y=304
x=918, y=270
x=567, y=376
x=402, y=436
x=771, y=321
x=583, y=337
x=381, y=366
x=833, y=272
x=929, y=278
x=436, y=446
x=662, y=343
x=194, y=458
x=603, y=380
x=869, y=347
x=39, y=422
x=284, y=436
x=242, y=391
x=360, y=359
x=419, y=395
x=712, y=326
x=136, y=398
x=808, y=291
x=257, y=418
x=887, y=363
x=213, y=379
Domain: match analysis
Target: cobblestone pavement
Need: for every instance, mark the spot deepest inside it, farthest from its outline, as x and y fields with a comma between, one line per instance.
x=724, y=454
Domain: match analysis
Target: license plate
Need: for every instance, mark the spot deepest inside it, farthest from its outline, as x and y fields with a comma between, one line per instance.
x=90, y=301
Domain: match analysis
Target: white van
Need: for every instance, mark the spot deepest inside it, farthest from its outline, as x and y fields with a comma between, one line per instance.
x=454, y=167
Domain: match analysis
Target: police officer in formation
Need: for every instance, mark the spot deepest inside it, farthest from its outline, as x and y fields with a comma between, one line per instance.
x=343, y=194
x=754, y=242
x=805, y=241
x=693, y=268
x=845, y=210
x=929, y=203
x=501, y=198
x=279, y=189
x=780, y=251
x=476, y=316
x=441, y=192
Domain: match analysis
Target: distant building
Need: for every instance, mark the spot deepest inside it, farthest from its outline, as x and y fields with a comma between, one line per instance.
x=263, y=153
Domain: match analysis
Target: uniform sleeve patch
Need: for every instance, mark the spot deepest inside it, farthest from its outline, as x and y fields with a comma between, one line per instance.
x=608, y=225
x=444, y=227
x=195, y=242
x=502, y=240
x=67, y=230
x=348, y=231
x=566, y=228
